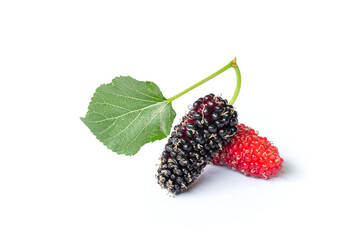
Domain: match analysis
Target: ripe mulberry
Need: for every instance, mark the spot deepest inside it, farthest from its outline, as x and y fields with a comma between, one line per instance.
x=206, y=129
x=250, y=154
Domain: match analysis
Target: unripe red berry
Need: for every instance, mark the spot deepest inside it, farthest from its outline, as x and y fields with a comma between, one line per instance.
x=250, y=154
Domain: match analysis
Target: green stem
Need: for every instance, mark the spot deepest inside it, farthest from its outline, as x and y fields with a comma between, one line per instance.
x=238, y=84
x=229, y=65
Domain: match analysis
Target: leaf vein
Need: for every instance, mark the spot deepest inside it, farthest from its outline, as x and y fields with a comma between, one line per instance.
x=119, y=95
x=106, y=139
x=99, y=114
x=145, y=126
x=123, y=115
x=113, y=105
x=157, y=98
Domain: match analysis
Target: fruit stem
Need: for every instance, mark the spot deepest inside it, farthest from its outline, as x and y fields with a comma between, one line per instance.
x=223, y=69
x=238, y=83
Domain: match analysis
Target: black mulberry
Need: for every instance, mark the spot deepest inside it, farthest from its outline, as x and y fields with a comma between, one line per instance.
x=205, y=130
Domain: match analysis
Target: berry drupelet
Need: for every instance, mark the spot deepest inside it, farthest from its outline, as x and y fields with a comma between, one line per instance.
x=207, y=128
x=250, y=154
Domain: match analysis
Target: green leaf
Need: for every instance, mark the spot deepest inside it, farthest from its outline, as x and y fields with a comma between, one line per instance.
x=126, y=114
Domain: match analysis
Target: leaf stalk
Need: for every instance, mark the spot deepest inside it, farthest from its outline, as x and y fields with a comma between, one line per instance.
x=231, y=64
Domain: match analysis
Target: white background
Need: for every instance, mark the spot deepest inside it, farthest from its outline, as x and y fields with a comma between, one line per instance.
x=300, y=69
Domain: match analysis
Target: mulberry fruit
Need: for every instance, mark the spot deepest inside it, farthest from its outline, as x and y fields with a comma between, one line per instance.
x=250, y=154
x=206, y=129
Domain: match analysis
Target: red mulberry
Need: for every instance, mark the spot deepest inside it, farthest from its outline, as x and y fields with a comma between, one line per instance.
x=250, y=154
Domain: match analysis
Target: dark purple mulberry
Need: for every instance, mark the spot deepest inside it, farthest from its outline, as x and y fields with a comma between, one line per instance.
x=206, y=129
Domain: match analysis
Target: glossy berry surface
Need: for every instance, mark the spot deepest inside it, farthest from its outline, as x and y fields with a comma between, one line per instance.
x=207, y=128
x=250, y=154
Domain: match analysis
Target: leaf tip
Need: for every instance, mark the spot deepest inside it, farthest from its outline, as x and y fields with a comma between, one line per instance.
x=82, y=119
